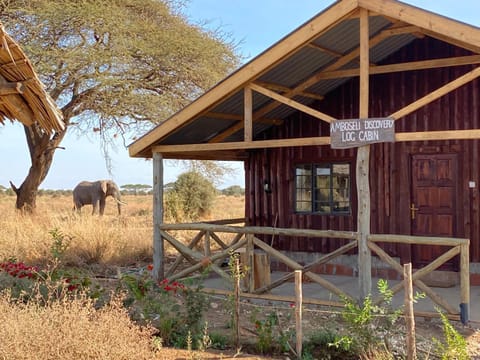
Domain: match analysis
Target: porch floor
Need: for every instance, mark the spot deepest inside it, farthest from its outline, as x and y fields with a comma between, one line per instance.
x=350, y=286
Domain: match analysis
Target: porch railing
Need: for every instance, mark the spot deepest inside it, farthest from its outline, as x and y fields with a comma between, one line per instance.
x=216, y=249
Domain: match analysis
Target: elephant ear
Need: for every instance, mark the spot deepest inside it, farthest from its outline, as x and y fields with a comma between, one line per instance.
x=104, y=186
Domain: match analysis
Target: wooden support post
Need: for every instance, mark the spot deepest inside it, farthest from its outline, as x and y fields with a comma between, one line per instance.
x=248, y=113
x=409, y=317
x=464, y=283
x=362, y=168
x=250, y=264
x=206, y=244
x=298, y=312
x=237, y=276
x=158, y=261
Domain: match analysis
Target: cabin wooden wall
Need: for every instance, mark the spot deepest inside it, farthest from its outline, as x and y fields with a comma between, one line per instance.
x=389, y=163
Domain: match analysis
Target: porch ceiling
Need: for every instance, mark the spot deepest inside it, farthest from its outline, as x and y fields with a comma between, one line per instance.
x=318, y=57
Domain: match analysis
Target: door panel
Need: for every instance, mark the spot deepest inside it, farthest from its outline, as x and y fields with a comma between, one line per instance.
x=433, y=204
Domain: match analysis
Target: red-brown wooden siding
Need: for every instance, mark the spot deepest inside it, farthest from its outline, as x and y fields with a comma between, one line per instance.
x=389, y=163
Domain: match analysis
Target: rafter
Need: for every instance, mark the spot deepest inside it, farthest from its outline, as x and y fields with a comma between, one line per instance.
x=395, y=29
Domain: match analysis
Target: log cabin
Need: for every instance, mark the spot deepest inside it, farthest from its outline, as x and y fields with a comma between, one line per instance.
x=366, y=118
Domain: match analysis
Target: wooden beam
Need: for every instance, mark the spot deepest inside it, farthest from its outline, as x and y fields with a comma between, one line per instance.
x=445, y=38
x=362, y=168
x=470, y=134
x=158, y=247
x=292, y=103
x=407, y=66
x=396, y=28
x=434, y=95
x=276, y=87
x=455, y=30
x=252, y=70
x=247, y=113
x=240, y=145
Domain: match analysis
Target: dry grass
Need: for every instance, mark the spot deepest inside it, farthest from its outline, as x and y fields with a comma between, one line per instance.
x=108, y=241
x=74, y=329
x=71, y=329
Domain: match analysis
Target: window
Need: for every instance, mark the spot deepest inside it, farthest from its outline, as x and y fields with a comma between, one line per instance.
x=322, y=188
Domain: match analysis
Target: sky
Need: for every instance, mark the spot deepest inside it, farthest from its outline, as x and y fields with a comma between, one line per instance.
x=254, y=24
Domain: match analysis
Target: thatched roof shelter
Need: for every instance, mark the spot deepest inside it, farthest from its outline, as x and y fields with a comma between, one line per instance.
x=22, y=94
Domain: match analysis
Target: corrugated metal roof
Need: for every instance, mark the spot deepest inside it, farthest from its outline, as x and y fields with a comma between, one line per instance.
x=295, y=69
x=302, y=59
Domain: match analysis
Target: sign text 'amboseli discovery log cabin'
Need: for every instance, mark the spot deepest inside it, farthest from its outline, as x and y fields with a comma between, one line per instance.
x=357, y=132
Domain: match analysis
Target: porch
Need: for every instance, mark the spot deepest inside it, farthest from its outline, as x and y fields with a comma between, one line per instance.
x=202, y=245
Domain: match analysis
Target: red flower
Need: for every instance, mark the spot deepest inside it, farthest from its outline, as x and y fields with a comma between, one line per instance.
x=149, y=267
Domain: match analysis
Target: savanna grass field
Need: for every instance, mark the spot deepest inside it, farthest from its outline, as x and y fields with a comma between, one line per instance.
x=72, y=327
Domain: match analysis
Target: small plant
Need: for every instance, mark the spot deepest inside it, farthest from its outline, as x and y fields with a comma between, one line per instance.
x=326, y=344
x=370, y=324
x=455, y=345
x=60, y=244
x=173, y=308
x=272, y=336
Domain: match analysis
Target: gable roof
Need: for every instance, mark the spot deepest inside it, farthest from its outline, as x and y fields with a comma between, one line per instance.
x=22, y=94
x=304, y=66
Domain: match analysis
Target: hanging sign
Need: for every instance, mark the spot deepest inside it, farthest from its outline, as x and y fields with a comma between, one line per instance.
x=357, y=132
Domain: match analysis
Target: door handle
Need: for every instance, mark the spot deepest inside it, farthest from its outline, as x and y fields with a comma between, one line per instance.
x=413, y=210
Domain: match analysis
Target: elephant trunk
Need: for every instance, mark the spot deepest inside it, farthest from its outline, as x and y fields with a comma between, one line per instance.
x=119, y=203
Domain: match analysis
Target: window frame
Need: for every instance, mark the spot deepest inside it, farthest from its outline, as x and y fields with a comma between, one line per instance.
x=313, y=166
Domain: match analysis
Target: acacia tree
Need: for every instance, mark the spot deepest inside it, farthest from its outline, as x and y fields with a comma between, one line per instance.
x=114, y=67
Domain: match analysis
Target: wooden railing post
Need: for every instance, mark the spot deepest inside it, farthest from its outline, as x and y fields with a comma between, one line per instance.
x=158, y=248
x=298, y=313
x=250, y=263
x=465, y=283
x=409, y=317
x=206, y=244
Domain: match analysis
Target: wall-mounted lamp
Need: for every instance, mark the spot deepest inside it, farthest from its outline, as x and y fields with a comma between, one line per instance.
x=266, y=186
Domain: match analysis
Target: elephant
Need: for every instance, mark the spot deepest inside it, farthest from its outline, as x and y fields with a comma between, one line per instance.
x=95, y=193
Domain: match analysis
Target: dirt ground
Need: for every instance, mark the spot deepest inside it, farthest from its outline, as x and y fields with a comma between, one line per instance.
x=314, y=319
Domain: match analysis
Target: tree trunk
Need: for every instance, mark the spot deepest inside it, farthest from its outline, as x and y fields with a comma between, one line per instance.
x=41, y=146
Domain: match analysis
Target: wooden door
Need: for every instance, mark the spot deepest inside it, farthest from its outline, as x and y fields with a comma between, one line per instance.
x=432, y=210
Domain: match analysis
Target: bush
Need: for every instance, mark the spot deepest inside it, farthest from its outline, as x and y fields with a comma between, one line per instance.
x=234, y=190
x=191, y=196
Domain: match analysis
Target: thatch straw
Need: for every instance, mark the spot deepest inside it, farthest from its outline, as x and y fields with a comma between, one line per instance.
x=22, y=94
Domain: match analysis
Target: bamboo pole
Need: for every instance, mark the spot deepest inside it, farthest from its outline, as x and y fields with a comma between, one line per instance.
x=409, y=316
x=298, y=312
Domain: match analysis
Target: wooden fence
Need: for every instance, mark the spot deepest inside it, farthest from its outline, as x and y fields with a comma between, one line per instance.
x=208, y=248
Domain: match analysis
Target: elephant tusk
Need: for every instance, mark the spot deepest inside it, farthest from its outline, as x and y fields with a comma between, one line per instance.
x=120, y=202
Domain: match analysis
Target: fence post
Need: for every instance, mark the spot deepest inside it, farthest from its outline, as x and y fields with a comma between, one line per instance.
x=250, y=263
x=298, y=312
x=409, y=316
x=237, y=275
x=464, y=283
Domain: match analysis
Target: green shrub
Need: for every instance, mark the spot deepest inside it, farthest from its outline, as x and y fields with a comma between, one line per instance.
x=325, y=344
x=193, y=196
x=455, y=345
